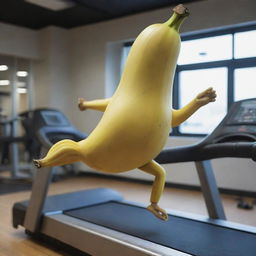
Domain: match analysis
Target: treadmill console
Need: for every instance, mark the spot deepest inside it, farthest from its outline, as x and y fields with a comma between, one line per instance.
x=239, y=124
x=235, y=136
x=53, y=118
x=246, y=113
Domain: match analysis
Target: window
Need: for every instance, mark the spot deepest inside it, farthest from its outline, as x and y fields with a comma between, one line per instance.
x=192, y=82
x=244, y=83
x=244, y=43
x=222, y=58
x=204, y=50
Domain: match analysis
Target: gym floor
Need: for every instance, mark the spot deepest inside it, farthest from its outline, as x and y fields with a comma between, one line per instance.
x=15, y=242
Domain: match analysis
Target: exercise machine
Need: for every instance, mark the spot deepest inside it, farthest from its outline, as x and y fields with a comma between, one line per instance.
x=54, y=126
x=101, y=222
x=31, y=121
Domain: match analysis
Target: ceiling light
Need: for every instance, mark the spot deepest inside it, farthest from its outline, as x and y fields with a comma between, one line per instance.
x=3, y=67
x=54, y=5
x=4, y=82
x=21, y=90
x=22, y=73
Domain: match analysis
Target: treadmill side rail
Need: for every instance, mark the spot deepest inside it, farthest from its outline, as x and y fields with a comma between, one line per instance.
x=100, y=241
x=210, y=190
x=37, y=199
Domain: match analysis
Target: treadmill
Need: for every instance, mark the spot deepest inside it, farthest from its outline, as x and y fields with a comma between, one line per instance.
x=101, y=222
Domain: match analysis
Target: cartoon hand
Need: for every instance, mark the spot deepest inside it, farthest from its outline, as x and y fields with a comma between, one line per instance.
x=206, y=96
x=81, y=104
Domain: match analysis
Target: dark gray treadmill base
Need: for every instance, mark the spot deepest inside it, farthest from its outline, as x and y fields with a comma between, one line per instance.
x=67, y=201
x=186, y=235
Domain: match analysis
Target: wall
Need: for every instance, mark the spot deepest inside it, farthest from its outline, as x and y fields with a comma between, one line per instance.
x=51, y=70
x=95, y=55
x=49, y=50
x=17, y=41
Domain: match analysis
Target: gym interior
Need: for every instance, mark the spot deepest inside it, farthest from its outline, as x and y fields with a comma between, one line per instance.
x=55, y=52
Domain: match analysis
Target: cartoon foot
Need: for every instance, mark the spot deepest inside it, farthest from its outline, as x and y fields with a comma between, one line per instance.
x=81, y=104
x=158, y=212
x=37, y=163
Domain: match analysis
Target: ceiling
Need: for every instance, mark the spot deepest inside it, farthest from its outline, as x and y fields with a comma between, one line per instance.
x=80, y=12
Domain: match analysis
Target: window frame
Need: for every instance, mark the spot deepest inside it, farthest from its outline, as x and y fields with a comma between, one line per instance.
x=231, y=64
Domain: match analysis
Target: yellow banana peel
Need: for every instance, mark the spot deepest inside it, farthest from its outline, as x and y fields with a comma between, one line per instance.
x=137, y=119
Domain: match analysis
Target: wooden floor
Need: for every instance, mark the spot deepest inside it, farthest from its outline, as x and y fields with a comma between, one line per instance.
x=15, y=243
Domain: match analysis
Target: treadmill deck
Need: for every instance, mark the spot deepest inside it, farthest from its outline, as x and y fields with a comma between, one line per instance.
x=183, y=234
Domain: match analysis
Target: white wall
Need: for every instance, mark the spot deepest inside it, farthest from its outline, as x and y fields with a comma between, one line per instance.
x=49, y=50
x=51, y=71
x=17, y=41
x=72, y=63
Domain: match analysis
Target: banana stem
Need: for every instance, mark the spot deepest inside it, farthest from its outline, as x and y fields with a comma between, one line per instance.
x=180, y=13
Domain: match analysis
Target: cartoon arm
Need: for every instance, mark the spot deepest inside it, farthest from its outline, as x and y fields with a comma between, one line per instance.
x=203, y=98
x=100, y=105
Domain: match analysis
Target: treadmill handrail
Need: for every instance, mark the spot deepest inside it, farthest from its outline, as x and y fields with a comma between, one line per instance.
x=223, y=139
x=200, y=152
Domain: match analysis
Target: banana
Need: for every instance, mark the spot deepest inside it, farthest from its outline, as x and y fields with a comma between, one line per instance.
x=136, y=122
x=137, y=119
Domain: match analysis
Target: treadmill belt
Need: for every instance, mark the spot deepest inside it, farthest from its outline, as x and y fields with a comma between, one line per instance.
x=186, y=235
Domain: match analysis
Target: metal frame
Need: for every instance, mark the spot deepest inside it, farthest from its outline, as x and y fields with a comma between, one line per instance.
x=43, y=178
x=67, y=229
x=210, y=190
x=37, y=199
x=14, y=146
x=38, y=196
x=231, y=64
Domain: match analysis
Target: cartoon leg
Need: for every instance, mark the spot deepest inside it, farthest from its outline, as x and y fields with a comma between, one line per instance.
x=61, y=153
x=158, y=186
